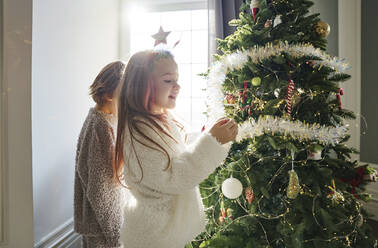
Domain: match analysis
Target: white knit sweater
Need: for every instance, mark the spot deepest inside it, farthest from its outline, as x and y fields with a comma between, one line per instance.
x=165, y=209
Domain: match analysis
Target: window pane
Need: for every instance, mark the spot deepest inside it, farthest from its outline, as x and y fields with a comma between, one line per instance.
x=140, y=42
x=184, y=110
x=176, y=20
x=198, y=17
x=190, y=27
x=198, y=82
x=145, y=22
x=200, y=47
x=185, y=80
x=198, y=117
x=183, y=51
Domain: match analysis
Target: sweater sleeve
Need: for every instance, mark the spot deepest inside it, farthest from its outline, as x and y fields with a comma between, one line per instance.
x=188, y=167
x=103, y=194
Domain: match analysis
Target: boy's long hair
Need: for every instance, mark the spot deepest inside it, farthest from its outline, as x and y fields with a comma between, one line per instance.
x=135, y=95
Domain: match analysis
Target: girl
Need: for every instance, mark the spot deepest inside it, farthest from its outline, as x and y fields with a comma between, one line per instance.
x=164, y=208
x=98, y=199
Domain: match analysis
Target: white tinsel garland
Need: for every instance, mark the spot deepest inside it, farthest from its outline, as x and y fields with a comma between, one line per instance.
x=237, y=60
x=293, y=129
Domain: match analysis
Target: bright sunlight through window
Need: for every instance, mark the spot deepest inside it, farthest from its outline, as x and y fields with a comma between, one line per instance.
x=190, y=27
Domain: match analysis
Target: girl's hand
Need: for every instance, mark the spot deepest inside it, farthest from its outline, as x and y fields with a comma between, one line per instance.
x=224, y=130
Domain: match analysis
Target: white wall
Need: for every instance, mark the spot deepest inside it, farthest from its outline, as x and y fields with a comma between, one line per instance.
x=350, y=48
x=328, y=10
x=72, y=41
x=17, y=208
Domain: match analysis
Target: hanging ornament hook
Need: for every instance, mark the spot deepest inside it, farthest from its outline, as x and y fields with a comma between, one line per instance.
x=293, y=188
x=292, y=159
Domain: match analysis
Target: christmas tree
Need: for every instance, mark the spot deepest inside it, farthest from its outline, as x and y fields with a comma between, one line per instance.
x=289, y=179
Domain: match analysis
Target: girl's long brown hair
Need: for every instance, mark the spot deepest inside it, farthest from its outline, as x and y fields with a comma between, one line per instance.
x=134, y=98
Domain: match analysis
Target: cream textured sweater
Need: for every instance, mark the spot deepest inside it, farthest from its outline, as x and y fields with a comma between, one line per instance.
x=165, y=209
x=98, y=200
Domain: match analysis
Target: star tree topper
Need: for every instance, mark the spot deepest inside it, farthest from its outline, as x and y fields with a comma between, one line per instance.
x=161, y=36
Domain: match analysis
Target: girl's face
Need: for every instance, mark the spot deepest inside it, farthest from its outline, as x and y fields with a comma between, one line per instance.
x=166, y=88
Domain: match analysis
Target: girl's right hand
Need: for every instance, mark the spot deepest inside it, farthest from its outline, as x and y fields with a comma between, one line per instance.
x=224, y=130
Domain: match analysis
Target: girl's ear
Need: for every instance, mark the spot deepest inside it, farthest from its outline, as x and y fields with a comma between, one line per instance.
x=108, y=98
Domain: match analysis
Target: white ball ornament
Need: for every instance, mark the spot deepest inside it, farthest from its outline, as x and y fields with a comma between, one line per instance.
x=232, y=188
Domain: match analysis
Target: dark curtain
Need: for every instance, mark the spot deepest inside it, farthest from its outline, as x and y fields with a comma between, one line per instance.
x=220, y=13
x=226, y=10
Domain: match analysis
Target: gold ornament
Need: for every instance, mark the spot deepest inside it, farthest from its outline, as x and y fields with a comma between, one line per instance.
x=256, y=81
x=335, y=196
x=296, y=98
x=323, y=29
x=286, y=116
x=293, y=188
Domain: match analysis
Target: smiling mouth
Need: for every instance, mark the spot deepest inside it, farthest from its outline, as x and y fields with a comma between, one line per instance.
x=172, y=97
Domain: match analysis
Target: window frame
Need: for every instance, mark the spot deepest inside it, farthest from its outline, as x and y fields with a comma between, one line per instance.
x=162, y=6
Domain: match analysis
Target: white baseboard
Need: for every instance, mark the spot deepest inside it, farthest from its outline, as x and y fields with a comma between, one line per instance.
x=73, y=241
x=62, y=237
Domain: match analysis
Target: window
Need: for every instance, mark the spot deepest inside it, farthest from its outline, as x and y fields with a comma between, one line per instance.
x=188, y=23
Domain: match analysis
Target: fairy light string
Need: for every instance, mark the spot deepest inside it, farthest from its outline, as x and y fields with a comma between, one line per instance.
x=260, y=214
x=235, y=61
x=273, y=125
